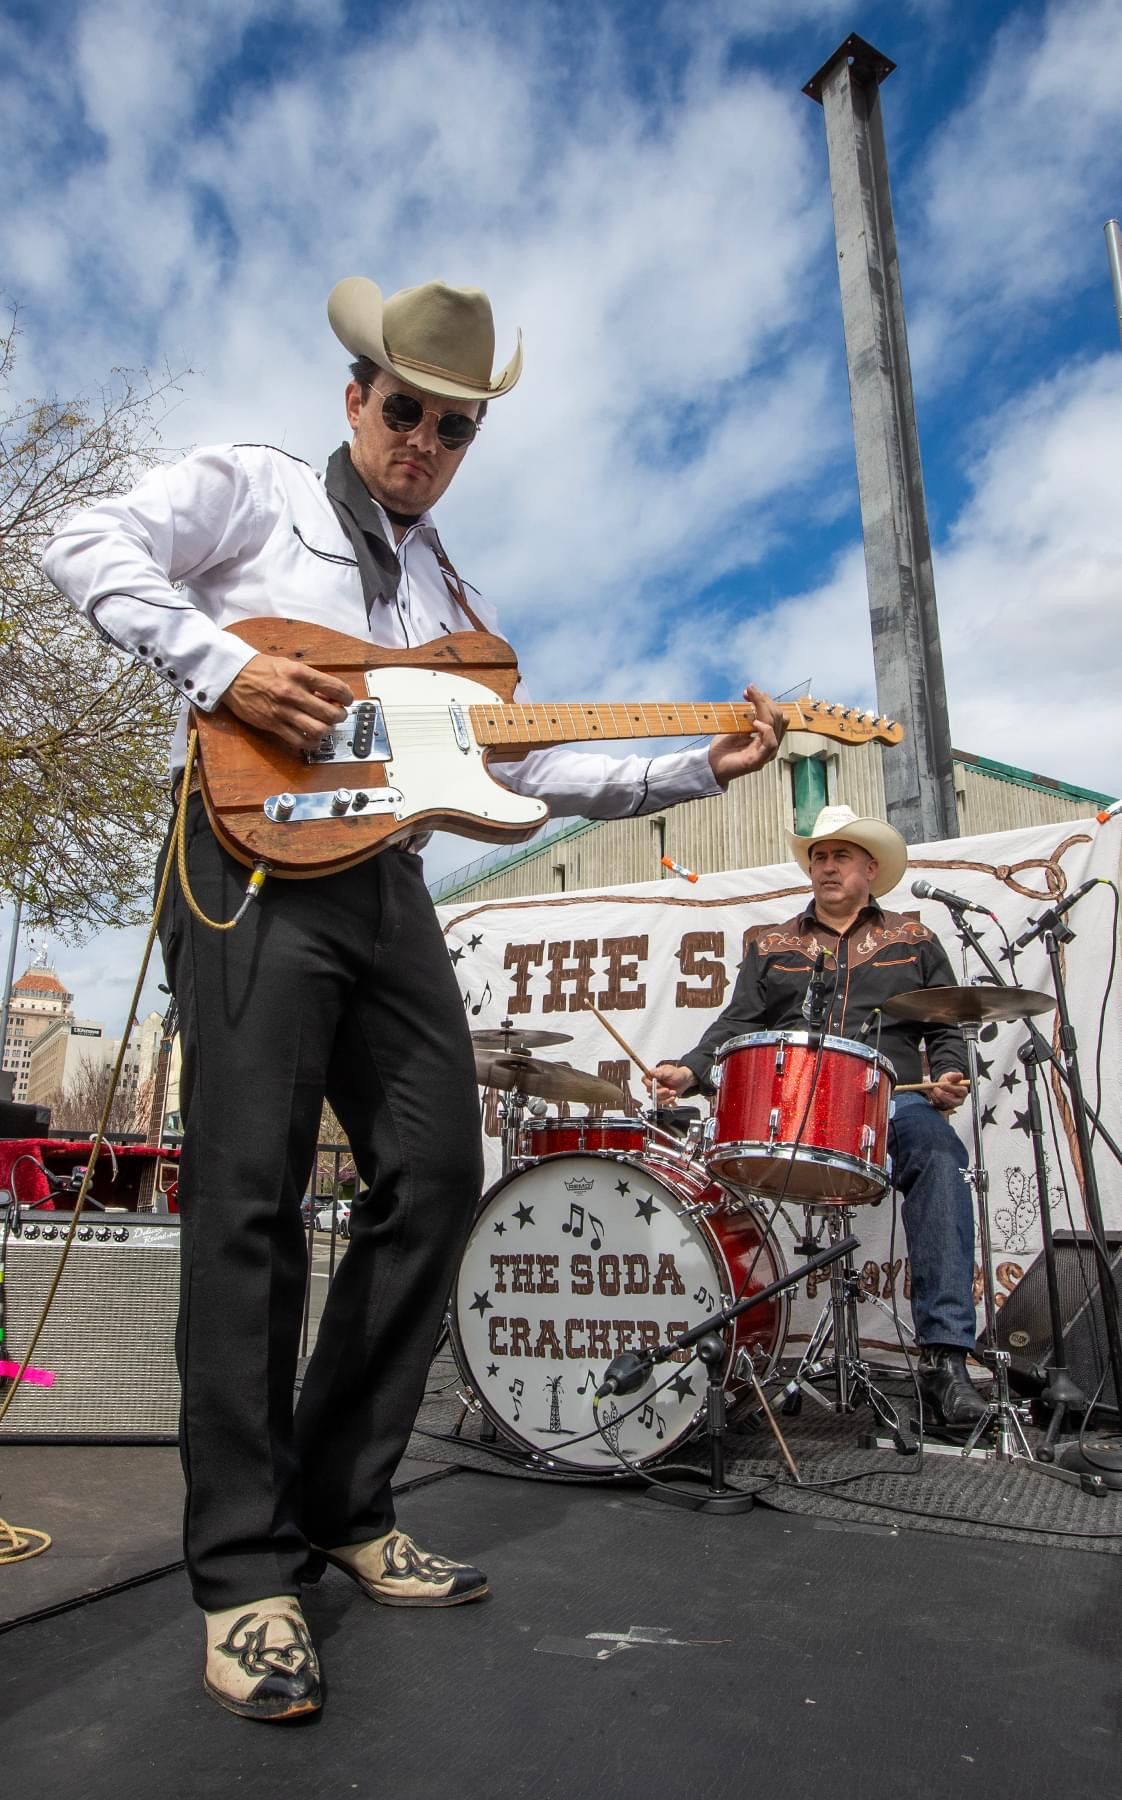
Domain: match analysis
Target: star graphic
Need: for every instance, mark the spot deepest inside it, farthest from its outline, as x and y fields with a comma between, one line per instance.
x=474, y=941
x=482, y=1303
x=681, y=1385
x=646, y=1209
x=1006, y=954
x=989, y=1116
x=623, y=1187
x=1022, y=1122
x=525, y=1215
x=984, y=1068
x=1010, y=1081
x=499, y=1227
x=492, y=1368
x=456, y=953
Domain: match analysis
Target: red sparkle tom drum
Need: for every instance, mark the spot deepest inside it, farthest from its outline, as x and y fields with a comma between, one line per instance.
x=805, y=1119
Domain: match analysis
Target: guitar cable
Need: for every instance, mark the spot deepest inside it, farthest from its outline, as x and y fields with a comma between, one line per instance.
x=179, y=846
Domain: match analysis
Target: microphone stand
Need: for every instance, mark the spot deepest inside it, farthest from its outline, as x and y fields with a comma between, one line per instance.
x=1011, y=1440
x=706, y=1340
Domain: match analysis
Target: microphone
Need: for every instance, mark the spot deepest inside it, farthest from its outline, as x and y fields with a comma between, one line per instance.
x=625, y=1373
x=926, y=890
x=870, y=1024
x=1054, y=914
x=815, y=996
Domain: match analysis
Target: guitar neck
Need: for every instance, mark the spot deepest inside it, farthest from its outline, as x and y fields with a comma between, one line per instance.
x=519, y=728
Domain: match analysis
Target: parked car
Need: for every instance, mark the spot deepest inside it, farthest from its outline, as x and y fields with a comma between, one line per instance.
x=309, y=1206
x=342, y=1216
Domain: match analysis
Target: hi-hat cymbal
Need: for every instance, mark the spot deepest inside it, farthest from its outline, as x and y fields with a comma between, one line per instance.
x=967, y=1005
x=517, y=1041
x=545, y=1080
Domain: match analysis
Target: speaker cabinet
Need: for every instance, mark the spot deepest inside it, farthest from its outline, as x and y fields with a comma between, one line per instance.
x=1024, y=1326
x=109, y=1338
x=23, y=1118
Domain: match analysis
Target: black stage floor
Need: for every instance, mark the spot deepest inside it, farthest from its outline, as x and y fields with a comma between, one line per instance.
x=767, y=1654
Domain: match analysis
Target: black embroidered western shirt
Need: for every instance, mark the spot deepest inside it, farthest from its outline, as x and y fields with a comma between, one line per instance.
x=880, y=955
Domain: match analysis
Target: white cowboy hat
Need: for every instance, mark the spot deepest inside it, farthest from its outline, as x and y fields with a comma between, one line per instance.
x=840, y=825
x=438, y=338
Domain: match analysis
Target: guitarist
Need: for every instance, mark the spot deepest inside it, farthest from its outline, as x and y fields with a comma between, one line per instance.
x=336, y=987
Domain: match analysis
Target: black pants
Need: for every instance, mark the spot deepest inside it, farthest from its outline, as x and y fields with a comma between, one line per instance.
x=341, y=987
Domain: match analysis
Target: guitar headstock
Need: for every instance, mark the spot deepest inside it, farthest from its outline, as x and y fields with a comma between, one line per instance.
x=848, y=724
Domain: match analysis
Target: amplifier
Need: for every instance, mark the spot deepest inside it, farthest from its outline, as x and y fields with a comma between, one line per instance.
x=1024, y=1325
x=24, y=1118
x=109, y=1339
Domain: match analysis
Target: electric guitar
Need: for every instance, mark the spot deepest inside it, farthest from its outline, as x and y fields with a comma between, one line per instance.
x=414, y=749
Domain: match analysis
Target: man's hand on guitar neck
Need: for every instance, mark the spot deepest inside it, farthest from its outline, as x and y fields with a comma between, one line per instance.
x=739, y=753
x=285, y=697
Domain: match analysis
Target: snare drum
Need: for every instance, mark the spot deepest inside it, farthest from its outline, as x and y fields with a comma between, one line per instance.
x=561, y=1137
x=795, y=1119
x=574, y=1259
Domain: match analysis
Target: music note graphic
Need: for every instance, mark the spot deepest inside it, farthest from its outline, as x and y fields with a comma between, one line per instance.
x=595, y=1241
x=575, y=1222
x=481, y=1002
x=704, y=1298
x=516, y=1390
x=589, y=1381
x=649, y=1419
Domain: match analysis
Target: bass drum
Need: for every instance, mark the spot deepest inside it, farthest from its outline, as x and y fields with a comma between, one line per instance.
x=576, y=1258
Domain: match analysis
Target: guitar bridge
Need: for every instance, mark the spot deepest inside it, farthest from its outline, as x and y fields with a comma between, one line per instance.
x=360, y=737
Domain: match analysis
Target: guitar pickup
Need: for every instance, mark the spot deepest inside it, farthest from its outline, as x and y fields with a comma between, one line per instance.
x=342, y=803
x=359, y=737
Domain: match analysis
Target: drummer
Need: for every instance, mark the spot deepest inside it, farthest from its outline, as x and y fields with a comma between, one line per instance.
x=870, y=955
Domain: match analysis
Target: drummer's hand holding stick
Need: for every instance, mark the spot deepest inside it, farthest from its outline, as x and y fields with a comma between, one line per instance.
x=946, y=1094
x=668, y=1081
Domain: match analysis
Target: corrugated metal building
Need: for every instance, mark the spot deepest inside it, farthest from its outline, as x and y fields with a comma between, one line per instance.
x=746, y=828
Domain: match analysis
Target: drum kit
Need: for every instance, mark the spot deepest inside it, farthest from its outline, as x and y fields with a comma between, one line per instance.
x=610, y=1233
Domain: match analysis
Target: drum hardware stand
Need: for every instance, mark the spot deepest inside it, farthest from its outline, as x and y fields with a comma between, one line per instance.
x=838, y=1323
x=631, y=1369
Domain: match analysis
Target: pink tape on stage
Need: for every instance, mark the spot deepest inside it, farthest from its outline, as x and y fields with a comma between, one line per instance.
x=36, y=1377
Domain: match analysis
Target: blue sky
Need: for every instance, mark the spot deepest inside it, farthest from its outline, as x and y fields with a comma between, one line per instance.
x=667, y=503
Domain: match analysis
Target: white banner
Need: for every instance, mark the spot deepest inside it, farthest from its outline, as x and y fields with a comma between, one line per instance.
x=659, y=959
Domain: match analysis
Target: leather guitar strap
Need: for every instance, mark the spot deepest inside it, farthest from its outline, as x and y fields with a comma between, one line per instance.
x=456, y=588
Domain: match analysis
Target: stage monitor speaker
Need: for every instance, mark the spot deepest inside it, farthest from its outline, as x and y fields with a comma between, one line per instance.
x=109, y=1339
x=1024, y=1325
x=23, y=1119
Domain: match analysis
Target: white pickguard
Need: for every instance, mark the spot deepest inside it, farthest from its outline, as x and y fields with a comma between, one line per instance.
x=429, y=766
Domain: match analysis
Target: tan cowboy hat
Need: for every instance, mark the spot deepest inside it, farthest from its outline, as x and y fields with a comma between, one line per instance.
x=438, y=338
x=840, y=825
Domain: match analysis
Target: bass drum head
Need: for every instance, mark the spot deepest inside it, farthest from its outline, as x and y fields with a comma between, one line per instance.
x=570, y=1262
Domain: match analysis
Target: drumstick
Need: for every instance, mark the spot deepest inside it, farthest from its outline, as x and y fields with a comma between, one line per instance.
x=773, y=1422
x=622, y=1042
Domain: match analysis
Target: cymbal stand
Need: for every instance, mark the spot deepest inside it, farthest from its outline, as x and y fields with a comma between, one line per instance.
x=512, y=1113
x=837, y=1324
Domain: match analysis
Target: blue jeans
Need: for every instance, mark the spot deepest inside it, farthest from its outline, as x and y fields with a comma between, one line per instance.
x=929, y=1161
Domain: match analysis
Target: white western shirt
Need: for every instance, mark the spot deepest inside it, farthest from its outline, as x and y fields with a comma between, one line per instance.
x=240, y=531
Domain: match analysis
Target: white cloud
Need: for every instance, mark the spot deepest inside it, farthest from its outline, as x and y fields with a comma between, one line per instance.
x=1029, y=583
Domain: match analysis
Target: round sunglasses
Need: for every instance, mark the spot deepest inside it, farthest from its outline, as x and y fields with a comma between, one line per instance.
x=401, y=412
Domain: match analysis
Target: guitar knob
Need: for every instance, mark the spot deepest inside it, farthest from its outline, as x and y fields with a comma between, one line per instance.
x=285, y=806
x=341, y=801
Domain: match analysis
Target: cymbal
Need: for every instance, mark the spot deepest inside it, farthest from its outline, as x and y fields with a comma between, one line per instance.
x=517, y=1041
x=967, y=1005
x=545, y=1080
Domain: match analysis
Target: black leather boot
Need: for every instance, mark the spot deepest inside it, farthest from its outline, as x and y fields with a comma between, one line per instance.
x=947, y=1389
